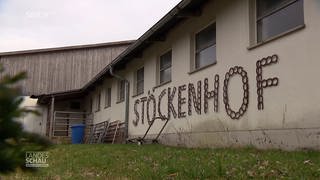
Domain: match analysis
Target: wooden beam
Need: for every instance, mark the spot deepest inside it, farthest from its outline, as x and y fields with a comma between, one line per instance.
x=99, y=82
x=158, y=38
x=51, y=116
x=121, y=66
x=91, y=88
x=138, y=55
x=188, y=14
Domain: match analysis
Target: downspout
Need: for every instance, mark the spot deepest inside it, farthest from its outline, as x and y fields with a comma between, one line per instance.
x=126, y=99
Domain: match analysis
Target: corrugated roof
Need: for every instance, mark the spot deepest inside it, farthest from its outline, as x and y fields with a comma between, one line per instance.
x=33, y=51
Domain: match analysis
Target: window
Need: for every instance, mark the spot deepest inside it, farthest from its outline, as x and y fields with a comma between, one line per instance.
x=98, y=102
x=165, y=67
x=75, y=105
x=205, y=47
x=140, y=81
x=275, y=17
x=121, y=90
x=108, y=98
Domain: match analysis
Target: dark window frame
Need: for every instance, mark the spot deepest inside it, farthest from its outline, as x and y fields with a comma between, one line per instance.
x=107, y=98
x=197, y=50
x=139, y=82
x=121, y=90
x=165, y=67
x=98, y=102
x=270, y=12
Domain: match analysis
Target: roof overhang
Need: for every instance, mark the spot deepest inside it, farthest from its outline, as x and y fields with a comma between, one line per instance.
x=45, y=98
x=157, y=33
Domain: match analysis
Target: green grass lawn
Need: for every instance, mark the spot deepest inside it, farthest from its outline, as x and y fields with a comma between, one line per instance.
x=104, y=161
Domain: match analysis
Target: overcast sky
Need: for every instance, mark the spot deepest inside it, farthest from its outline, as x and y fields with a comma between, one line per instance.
x=33, y=24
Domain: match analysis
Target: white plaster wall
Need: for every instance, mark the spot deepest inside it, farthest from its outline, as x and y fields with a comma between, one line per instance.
x=291, y=110
x=113, y=113
x=31, y=122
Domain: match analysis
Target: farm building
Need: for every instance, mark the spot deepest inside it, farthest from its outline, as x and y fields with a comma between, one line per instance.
x=57, y=70
x=211, y=73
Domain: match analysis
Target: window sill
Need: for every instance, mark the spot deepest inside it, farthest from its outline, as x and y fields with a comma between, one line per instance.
x=106, y=107
x=162, y=84
x=253, y=46
x=121, y=101
x=136, y=95
x=204, y=67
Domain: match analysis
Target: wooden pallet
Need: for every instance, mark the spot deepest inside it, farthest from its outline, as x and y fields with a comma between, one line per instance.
x=114, y=132
x=98, y=132
x=106, y=132
x=88, y=132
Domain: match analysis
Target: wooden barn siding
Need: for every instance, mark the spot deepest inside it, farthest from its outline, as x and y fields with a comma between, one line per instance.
x=59, y=70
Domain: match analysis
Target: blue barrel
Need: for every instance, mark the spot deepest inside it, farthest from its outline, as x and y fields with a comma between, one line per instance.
x=77, y=133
